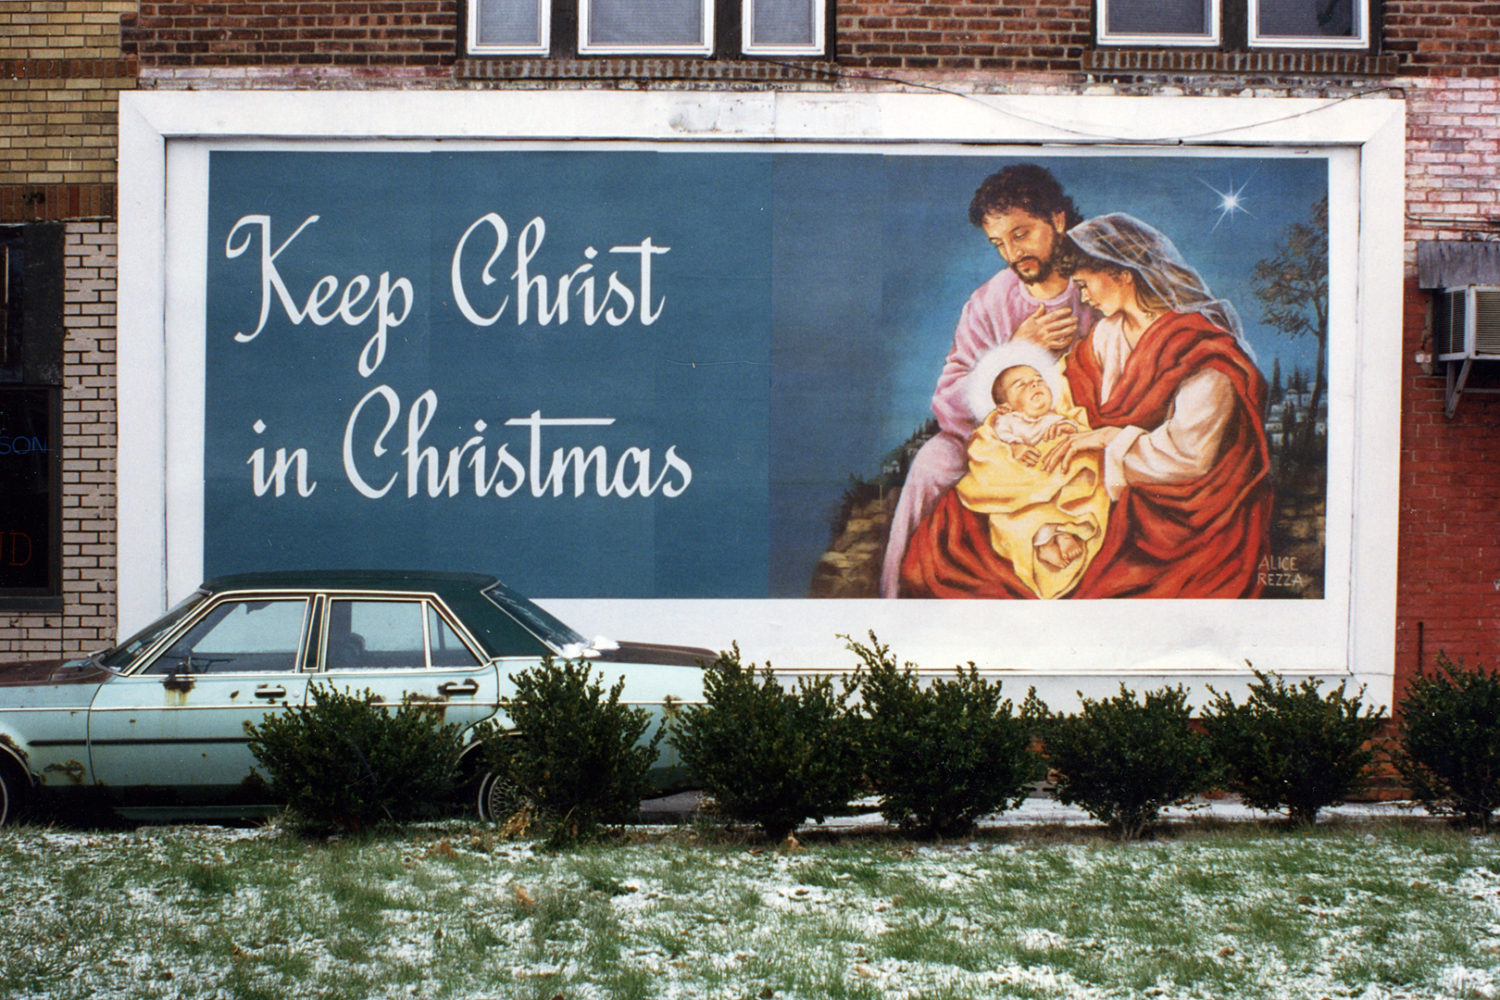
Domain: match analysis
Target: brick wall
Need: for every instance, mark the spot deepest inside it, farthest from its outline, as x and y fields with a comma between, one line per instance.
x=1448, y=592
x=353, y=33
x=61, y=72
x=417, y=42
x=1449, y=581
x=1452, y=169
x=1448, y=53
x=62, y=29
x=1444, y=37
x=58, y=129
x=88, y=459
x=1013, y=36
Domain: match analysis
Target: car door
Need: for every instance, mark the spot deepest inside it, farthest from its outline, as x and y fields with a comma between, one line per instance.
x=406, y=646
x=173, y=731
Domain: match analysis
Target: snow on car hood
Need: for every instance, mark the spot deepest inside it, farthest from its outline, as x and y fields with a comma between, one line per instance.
x=655, y=652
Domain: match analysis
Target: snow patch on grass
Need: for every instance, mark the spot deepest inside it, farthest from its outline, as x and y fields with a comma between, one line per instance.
x=445, y=910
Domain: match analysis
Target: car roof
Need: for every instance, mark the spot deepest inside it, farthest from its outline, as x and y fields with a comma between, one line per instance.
x=499, y=632
x=352, y=579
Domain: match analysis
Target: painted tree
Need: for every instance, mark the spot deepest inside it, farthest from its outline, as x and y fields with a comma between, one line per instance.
x=1292, y=286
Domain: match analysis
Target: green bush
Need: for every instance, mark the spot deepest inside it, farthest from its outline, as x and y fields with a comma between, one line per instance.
x=769, y=756
x=1449, y=744
x=1122, y=760
x=1293, y=747
x=345, y=761
x=581, y=757
x=939, y=755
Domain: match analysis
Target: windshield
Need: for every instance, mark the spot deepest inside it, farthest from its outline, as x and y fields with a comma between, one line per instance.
x=123, y=655
x=536, y=621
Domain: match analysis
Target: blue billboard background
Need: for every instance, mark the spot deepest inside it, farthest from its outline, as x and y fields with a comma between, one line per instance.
x=799, y=309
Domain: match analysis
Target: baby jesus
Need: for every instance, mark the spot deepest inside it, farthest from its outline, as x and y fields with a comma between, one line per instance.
x=1048, y=525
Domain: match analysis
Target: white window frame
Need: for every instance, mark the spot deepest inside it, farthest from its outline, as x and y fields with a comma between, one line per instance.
x=1359, y=40
x=541, y=47
x=588, y=47
x=817, y=47
x=1107, y=37
x=1254, y=39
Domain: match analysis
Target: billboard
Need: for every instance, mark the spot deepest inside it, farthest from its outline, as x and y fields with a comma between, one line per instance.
x=1120, y=415
x=668, y=374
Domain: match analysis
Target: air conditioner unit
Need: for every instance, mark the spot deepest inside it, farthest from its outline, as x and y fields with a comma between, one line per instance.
x=1467, y=324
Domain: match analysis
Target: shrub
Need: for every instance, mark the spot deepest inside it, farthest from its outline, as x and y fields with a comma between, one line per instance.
x=345, y=761
x=581, y=756
x=1293, y=747
x=769, y=756
x=942, y=755
x=1449, y=744
x=1122, y=760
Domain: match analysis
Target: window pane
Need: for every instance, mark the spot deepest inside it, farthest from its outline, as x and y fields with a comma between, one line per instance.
x=645, y=23
x=509, y=22
x=375, y=635
x=238, y=637
x=1158, y=17
x=1307, y=18
x=447, y=649
x=783, y=22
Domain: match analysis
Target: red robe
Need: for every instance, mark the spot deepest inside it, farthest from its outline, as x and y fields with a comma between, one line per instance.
x=1204, y=538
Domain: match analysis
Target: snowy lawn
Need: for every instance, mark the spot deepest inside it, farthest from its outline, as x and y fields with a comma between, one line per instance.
x=1390, y=908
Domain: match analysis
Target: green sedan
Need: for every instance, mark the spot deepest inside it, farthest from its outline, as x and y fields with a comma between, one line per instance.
x=155, y=727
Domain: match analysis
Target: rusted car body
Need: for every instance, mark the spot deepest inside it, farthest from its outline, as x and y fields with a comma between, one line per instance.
x=156, y=725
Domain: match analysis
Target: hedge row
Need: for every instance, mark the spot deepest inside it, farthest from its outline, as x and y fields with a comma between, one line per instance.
x=937, y=755
x=940, y=756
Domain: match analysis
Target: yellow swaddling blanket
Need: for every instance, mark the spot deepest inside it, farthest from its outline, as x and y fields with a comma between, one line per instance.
x=1022, y=500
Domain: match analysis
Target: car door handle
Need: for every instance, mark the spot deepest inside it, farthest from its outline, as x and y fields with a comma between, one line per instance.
x=267, y=691
x=470, y=686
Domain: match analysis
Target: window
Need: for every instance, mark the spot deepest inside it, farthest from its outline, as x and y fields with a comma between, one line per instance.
x=1254, y=23
x=632, y=27
x=31, y=337
x=783, y=27
x=684, y=26
x=1308, y=23
x=378, y=634
x=510, y=27
x=446, y=648
x=238, y=637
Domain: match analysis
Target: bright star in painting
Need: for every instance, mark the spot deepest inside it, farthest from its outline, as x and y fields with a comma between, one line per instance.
x=1230, y=200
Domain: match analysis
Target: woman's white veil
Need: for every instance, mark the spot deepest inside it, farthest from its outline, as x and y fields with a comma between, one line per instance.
x=1125, y=241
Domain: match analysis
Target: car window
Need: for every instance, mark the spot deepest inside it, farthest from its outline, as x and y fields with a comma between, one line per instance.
x=532, y=617
x=375, y=635
x=125, y=653
x=448, y=650
x=238, y=636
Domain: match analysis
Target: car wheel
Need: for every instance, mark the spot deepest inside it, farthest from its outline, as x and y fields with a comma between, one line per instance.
x=499, y=798
x=12, y=790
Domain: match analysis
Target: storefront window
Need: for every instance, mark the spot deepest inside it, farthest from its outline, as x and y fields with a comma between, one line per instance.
x=30, y=415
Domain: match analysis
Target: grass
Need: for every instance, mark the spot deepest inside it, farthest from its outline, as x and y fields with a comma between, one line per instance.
x=1391, y=909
